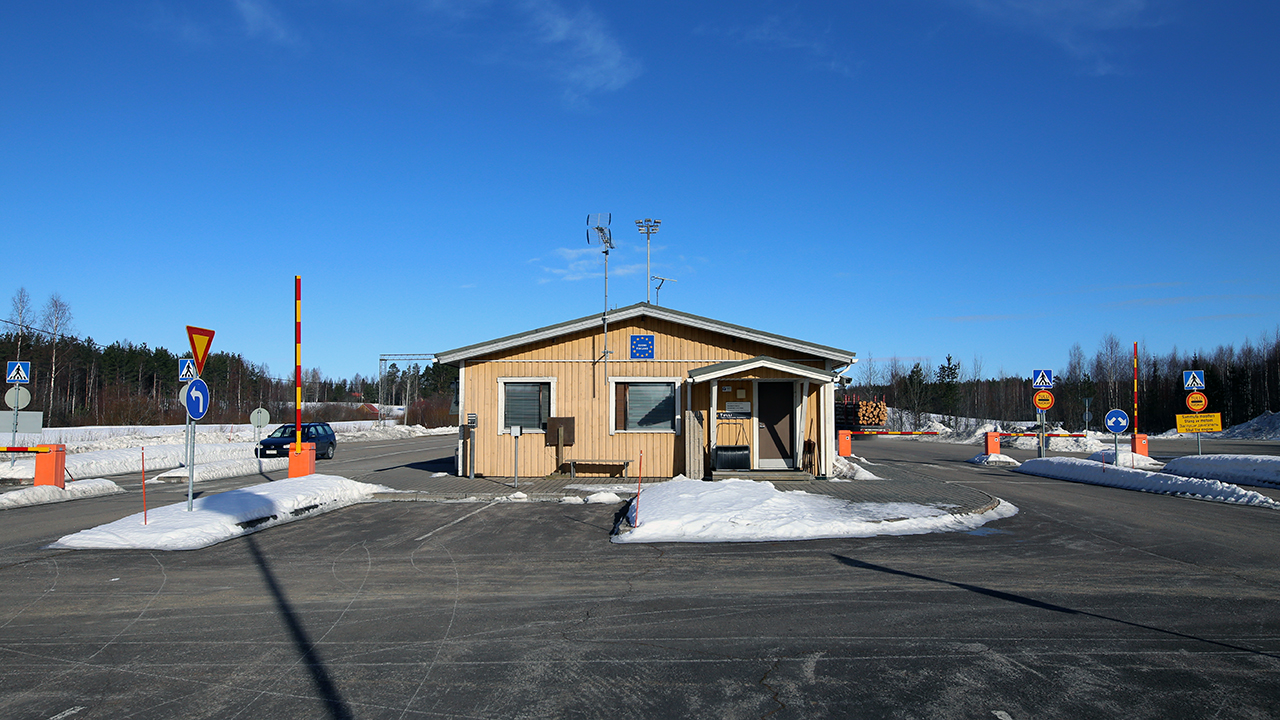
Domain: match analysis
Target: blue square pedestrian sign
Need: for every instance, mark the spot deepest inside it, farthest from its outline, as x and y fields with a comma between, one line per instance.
x=1192, y=379
x=1042, y=380
x=18, y=372
x=187, y=370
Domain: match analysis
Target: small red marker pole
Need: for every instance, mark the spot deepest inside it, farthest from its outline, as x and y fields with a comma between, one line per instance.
x=639, y=482
x=144, y=485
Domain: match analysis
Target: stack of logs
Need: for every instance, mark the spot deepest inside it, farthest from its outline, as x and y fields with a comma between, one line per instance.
x=872, y=412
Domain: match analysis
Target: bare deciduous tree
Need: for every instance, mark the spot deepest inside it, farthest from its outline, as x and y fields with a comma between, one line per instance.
x=56, y=320
x=20, y=314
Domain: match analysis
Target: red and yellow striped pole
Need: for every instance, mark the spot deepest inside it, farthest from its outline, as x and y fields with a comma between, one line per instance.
x=297, y=364
x=1135, y=391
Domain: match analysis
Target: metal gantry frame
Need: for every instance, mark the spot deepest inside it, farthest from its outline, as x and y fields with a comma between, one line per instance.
x=386, y=359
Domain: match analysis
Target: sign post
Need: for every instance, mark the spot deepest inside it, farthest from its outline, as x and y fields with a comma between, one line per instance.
x=18, y=373
x=1043, y=400
x=1117, y=421
x=195, y=397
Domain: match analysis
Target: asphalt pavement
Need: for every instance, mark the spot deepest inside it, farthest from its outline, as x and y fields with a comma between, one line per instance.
x=1091, y=602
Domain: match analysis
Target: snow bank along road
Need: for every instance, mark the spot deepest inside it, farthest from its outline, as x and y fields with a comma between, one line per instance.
x=1092, y=602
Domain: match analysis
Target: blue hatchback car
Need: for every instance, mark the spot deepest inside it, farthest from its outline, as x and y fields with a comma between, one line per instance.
x=277, y=443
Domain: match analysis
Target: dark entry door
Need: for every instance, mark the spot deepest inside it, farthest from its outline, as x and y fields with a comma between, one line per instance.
x=776, y=410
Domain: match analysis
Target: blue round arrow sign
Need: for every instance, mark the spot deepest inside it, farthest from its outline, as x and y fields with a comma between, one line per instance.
x=197, y=398
x=1117, y=421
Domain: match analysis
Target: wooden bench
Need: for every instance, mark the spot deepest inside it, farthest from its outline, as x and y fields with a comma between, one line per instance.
x=573, y=465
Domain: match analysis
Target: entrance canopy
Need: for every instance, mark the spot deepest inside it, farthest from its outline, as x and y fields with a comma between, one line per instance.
x=739, y=367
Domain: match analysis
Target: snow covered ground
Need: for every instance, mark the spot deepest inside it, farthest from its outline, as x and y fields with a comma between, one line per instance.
x=1096, y=473
x=684, y=510
x=98, y=451
x=219, y=517
x=44, y=494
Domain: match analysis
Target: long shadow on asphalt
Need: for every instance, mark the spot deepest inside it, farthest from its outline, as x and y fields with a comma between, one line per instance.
x=1038, y=604
x=329, y=693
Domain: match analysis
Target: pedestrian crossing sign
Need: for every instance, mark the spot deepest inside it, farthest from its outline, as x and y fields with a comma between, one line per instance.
x=1042, y=380
x=187, y=370
x=18, y=372
x=1193, y=380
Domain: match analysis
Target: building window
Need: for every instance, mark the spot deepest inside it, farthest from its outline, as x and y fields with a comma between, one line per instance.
x=644, y=406
x=526, y=402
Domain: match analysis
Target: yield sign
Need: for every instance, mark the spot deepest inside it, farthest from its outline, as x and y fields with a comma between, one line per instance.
x=200, y=339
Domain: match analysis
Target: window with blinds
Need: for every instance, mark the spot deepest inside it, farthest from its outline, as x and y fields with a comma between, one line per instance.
x=645, y=406
x=527, y=404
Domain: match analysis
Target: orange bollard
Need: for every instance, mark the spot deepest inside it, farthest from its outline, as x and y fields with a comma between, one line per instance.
x=302, y=463
x=1140, y=445
x=51, y=466
x=993, y=443
x=846, y=443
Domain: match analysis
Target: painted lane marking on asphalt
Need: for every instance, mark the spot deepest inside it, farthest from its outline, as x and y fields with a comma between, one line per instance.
x=67, y=713
x=455, y=522
x=1002, y=715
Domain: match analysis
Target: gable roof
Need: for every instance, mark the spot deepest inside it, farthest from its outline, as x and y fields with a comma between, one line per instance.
x=590, y=322
x=733, y=367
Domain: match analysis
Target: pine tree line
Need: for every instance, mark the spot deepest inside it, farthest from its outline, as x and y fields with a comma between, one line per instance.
x=76, y=381
x=1241, y=383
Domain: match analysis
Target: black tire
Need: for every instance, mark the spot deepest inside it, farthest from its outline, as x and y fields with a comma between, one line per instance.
x=328, y=454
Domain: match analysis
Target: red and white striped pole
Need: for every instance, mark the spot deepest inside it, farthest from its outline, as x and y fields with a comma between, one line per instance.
x=639, y=482
x=297, y=365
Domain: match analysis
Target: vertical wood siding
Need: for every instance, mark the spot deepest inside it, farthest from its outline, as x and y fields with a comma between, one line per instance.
x=582, y=393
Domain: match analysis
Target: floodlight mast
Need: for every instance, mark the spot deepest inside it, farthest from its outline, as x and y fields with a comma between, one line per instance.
x=648, y=226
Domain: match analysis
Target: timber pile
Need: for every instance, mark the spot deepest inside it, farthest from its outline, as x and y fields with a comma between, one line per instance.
x=854, y=413
x=872, y=412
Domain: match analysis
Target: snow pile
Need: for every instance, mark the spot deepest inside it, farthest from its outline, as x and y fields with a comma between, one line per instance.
x=997, y=459
x=684, y=510
x=1128, y=459
x=1262, y=470
x=98, y=463
x=42, y=494
x=1088, y=471
x=222, y=469
x=846, y=469
x=1091, y=443
x=220, y=517
x=1264, y=427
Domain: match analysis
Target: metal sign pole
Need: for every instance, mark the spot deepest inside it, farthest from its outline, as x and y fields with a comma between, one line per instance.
x=191, y=475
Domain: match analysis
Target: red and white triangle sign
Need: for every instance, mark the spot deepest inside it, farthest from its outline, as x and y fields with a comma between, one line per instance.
x=200, y=339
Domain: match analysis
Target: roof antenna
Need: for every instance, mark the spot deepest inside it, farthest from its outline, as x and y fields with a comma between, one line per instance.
x=599, y=222
x=661, y=280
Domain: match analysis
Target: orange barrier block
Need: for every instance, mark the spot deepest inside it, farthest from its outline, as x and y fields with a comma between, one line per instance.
x=51, y=465
x=1140, y=445
x=846, y=443
x=993, y=443
x=302, y=463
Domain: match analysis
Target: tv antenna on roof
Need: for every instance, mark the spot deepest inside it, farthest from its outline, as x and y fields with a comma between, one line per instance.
x=599, y=223
x=661, y=280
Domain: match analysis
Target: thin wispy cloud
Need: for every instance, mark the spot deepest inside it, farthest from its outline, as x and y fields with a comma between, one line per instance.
x=584, y=55
x=790, y=33
x=1084, y=28
x=262, y=21
x=584, y=264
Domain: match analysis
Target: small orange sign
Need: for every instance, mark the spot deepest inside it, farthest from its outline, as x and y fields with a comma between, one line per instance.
x=1197, y=401
x=1043, y=400
x=200, y=339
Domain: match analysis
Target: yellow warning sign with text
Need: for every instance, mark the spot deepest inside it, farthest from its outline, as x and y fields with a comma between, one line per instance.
x=1203, y=422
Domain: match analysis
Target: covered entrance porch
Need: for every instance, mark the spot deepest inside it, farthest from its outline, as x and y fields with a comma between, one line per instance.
x=767, y=417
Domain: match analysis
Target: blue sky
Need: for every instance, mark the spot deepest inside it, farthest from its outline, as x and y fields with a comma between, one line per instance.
x=995, y=179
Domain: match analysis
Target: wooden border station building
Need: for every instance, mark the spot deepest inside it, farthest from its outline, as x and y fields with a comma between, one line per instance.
x=590, y=395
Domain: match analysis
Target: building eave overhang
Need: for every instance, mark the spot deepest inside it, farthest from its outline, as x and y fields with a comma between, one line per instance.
x=738, y=367
x=838, y=357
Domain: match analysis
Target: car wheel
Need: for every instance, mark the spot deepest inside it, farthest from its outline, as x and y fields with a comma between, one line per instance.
x=328, y=454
